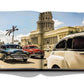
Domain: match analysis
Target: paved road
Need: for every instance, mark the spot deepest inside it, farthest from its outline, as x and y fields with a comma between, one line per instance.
x=32, y=63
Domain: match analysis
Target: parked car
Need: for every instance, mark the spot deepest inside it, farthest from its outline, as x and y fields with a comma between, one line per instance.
x=34, y=51
x=68, y=53
x=13, y=51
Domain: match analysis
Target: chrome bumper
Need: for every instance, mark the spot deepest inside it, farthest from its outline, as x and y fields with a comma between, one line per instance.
x=37, y=55
x=17, y=56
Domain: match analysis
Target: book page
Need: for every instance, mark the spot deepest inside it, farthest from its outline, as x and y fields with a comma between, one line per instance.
x=19, y=49
x=49, y=40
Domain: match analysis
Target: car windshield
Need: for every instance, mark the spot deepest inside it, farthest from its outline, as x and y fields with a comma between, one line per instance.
x=13, y=46
x=31, y=47
x=78, y=42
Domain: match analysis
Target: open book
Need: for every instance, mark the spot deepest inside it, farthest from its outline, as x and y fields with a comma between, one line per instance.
x=32, y=40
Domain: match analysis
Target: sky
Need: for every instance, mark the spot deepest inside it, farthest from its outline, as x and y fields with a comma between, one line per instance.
x=26, y=22
x=68, y=19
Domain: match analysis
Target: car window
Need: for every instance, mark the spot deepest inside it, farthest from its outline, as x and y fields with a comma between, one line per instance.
x=3, y=47
x=12, y=46
x=60, y=45
x=33, y=47
x=27, y=47
x=69, y=43
x=78, y=42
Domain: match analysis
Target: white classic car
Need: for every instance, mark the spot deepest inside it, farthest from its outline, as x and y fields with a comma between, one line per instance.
x=68, y=53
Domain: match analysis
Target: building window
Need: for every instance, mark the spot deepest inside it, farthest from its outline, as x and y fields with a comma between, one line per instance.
x=46, y=25
x=43, y=18
x=34, y=40
x=52, y=40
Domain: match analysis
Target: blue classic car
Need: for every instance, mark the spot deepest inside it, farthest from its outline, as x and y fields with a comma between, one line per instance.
x=13, y=51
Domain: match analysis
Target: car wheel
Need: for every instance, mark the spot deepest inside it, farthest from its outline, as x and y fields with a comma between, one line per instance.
x=4, y=58
x=30, y=56
x=55, y=67
x=42, y=57
x=24, y=60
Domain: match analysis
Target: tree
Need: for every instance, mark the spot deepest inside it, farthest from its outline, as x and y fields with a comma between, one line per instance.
x=9, y=31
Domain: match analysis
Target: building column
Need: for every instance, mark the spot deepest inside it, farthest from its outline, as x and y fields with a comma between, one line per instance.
x=57, y=38
x=40, y=41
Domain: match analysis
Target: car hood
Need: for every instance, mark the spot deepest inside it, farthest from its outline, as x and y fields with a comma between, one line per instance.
x=35, y=50
x=13, y=50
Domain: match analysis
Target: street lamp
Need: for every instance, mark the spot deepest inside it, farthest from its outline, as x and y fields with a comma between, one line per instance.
x=9, y=31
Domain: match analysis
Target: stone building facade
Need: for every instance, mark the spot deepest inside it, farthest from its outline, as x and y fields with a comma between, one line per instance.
x=46, y=36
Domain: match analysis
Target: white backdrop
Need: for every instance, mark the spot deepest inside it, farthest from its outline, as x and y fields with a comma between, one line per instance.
x=42, y=5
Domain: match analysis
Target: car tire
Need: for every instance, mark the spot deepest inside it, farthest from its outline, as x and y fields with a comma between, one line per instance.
x=24, y=60
x=4, y=58
x=42, y=57
x=55, y=67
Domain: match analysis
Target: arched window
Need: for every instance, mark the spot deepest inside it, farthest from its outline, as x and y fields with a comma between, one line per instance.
x=43, y=18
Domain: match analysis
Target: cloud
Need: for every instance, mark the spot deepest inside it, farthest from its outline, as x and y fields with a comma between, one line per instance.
x=57, y=23
x=8, y=39
x=18, y=37
x=83, y=21
x=3, y=37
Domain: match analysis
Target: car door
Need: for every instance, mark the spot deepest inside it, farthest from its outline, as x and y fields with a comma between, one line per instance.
x=74, y=55
x=60, y=48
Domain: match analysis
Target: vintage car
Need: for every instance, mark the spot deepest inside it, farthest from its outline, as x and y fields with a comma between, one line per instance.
x=13, y=51
x=34, y=51
x=68, y=53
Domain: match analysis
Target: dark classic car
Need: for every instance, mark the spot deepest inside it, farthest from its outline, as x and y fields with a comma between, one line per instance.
x=13, y=51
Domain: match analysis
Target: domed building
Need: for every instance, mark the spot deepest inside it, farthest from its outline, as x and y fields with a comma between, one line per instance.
x=46, y=36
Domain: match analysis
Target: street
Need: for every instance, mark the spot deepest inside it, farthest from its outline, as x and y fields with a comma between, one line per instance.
x=32, y=63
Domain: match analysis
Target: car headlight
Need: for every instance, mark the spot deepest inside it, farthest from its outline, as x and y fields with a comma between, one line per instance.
x=27, y=52
x=8, y=53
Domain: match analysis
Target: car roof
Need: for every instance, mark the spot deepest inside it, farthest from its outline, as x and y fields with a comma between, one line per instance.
x=70, y=36
x=73, y=35
x=29, y=45
x=9, y=44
